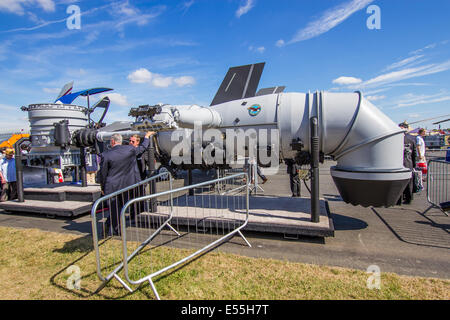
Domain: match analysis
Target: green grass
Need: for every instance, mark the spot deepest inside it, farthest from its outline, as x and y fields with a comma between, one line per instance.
x=34, y=263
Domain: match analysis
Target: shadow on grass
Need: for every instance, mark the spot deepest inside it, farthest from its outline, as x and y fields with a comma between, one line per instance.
x=85, y=246
x=185, y=264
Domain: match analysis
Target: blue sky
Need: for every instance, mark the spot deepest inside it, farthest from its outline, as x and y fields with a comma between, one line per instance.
x=178, y=52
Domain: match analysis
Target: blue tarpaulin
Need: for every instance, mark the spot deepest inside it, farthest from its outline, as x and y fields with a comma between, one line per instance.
x=68, y=99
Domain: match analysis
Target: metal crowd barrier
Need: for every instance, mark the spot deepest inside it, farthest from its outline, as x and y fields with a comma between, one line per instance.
x=438, y=184
x=106, y=210
x=250, y=168
x=202, y=216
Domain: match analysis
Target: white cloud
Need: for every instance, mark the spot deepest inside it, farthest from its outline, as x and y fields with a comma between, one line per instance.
x=346, y=80
x=118, y=99
x=140, y=76
x=407, y=73
x=329, y=19
x=125, y=8
x=124, y=13
x=161, y=81
x=143, y=75
x=430, y=46
x=17, y=6
x=403, y=62
x=51, y=90
x=246, y=7
x=184, y=81
x=47, y=5
x=280, y=43
x=4, y=49
x=412, y=99
x=43, y=23
x=16, y=120
x=13, y=6
x=185, y=6
x=260, y=50
x=373, y=92
x=375, y=98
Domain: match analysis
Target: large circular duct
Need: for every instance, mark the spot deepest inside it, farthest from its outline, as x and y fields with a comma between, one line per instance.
x=367, y=145
x=43, y=117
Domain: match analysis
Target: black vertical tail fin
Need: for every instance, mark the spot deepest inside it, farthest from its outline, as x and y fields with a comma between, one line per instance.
x=239, y=83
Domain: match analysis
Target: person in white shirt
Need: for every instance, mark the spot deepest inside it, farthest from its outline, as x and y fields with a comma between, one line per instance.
x=421, y=146
x=8, y=176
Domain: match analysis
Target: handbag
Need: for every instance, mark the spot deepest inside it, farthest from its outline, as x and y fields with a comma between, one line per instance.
x=422, y=166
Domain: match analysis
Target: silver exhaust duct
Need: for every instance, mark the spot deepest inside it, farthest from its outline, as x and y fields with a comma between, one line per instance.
x=367, y=145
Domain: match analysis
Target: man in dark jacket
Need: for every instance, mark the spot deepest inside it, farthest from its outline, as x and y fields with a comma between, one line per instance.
x=409, y=161
x=117, y=171
x=294, y=179
x=141, y=158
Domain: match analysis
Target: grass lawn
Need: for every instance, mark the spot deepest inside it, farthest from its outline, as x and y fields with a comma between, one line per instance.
x=35, y=265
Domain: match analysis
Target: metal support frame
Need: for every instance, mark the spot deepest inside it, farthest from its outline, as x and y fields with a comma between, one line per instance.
x=151, y=171
x=83, y=172
x=253, y=173
x=113, y=274
x=127, y=259
x=315, y=194
x=190, y=181
x=252, y=185
x=432, y=188
x=19, y=168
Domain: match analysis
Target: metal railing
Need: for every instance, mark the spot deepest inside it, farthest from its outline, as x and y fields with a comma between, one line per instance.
x=438, y=184
x=250, y=168
x=196, y=212
x=107, y=210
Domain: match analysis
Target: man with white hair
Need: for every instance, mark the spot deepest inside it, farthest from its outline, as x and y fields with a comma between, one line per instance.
x=117, y=171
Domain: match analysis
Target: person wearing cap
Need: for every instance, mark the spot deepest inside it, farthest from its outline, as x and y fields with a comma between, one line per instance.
x=8, y=176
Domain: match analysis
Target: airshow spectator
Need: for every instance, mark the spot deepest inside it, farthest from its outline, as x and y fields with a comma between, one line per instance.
x=117, y=171
x=141, y=158
x=409, y=161
x=421, y=145
x=8, y=176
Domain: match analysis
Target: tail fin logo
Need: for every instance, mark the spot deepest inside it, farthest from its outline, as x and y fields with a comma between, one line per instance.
x=254, y=110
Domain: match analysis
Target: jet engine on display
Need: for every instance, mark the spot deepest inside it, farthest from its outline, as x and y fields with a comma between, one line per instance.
x=305, y=127
x=367, y=145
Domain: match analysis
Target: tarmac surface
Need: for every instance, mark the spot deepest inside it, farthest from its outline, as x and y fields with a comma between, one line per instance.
x=400, y=239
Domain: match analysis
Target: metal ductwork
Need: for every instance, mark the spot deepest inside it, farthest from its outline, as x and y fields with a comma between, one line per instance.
x=367, y=145
x=188, y=116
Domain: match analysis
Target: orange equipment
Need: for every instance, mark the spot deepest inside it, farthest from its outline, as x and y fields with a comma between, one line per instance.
x=14, y=138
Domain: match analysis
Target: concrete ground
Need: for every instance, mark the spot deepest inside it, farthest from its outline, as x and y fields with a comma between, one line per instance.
x=400, y=239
